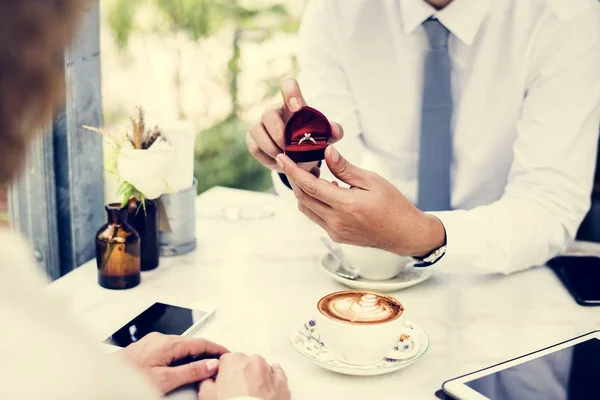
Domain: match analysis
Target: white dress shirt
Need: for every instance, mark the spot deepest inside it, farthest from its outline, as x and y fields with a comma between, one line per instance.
x=526, y=93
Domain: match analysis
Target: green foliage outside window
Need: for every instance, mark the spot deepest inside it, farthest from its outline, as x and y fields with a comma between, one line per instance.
x=221, y=157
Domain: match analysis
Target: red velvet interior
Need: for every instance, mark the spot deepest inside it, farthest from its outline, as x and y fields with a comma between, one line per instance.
x=306, y=147
x=303, y=121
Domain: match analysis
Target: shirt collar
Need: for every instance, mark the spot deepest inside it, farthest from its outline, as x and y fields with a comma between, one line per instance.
x=462, y=17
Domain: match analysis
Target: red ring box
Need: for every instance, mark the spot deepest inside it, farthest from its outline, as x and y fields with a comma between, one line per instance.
x=307, y=120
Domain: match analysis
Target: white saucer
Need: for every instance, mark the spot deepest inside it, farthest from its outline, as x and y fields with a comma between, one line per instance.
x=413, y=343
x=407, y=278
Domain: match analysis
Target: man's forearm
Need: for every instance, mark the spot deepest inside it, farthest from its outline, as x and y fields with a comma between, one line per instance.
x=505, y=237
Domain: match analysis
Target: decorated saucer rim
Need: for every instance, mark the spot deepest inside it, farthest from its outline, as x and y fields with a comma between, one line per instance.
x=423, y=337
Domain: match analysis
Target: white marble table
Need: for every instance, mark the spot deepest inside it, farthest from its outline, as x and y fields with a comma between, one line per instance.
x=263, y=276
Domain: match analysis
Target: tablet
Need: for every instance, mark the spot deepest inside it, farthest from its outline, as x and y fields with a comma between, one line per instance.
x=566, y=371
x=160, y=317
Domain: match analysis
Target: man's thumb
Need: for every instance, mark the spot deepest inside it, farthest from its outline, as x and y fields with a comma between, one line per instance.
x=292, y=97
x=344, y=170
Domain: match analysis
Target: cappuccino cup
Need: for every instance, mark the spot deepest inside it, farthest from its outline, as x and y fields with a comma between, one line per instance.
x=374, y=264
x=359, y=327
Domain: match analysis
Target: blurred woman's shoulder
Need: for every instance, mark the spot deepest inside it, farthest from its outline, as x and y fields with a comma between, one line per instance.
x=46, y=354
x=17, y=264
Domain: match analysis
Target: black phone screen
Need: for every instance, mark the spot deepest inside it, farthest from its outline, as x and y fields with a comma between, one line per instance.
x=160, y=317
x=581, y=276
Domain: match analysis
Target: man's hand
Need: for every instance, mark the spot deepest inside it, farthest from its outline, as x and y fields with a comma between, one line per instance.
x=155, y=352
x=371, y=213
x=241, y=375
x=266, y=138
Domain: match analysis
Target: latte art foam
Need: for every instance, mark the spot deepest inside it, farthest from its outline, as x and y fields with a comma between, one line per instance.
x=362, y=308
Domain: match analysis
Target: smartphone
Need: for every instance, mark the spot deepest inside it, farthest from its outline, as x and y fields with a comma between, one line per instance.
x=581, y=277
x=160, y=317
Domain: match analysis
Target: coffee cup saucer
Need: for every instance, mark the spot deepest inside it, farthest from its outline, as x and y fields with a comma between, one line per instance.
x=406, y=278
x=412, y=344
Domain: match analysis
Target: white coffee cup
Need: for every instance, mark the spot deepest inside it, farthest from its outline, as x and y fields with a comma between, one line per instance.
x=373, y=333
x=374, y=264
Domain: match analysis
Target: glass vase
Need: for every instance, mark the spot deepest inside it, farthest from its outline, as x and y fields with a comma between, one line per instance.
x=118, y=251
x=144, y=219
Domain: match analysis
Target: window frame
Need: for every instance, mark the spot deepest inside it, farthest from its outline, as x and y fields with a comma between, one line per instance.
x=57, y=202
x=32, y=204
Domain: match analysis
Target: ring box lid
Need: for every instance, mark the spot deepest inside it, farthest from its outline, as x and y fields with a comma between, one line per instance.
x=307, y=120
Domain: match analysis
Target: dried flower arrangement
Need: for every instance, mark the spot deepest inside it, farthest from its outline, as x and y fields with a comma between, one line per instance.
x=140, y=159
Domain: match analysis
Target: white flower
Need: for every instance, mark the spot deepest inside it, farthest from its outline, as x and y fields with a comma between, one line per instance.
x=147, y=170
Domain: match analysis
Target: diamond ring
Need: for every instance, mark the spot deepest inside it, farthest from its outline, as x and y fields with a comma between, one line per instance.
x=307, y=137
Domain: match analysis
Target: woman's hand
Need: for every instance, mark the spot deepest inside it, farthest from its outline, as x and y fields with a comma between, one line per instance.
x=246, y=376
x=155, y=352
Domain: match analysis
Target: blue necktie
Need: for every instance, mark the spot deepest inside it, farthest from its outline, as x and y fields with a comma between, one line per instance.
x=436, y=142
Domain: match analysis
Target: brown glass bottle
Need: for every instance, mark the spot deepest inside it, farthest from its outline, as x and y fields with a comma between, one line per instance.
x=118, y=251
x=144, y=219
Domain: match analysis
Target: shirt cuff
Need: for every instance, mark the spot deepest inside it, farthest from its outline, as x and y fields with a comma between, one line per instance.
x=460, y=251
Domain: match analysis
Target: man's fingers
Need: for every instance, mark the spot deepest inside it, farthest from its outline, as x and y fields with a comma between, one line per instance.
x=306, y=210
x=337, y=132
x=207, y=390
x=175, y=377
x=313, y=187
x=258, y=132
x=272, y=121
x=345, y=171
x=260, y=155
x=184, y=347
x=313, y=216
x=292, y=97
x=316, y=172
x=310, y=203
